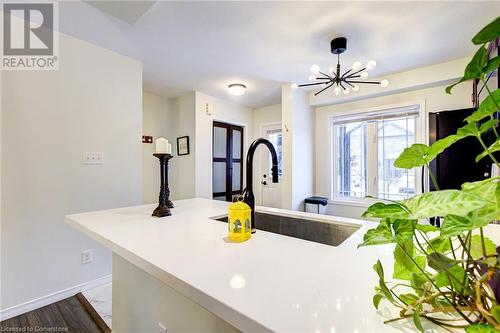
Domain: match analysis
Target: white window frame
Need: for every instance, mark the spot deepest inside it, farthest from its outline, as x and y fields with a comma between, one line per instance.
x=420, y=137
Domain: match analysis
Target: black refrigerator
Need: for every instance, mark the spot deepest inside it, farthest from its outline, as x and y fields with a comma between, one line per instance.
x=457, y=165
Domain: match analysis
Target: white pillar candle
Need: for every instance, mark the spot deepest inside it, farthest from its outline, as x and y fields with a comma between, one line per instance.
x=169, y=149
x=161, y=146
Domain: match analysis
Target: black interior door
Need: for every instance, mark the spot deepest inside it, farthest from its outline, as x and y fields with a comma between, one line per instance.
x=227, y=162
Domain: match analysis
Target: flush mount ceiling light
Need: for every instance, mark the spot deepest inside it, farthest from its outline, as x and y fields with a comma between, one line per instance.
x=237, y=89
x=341, y=83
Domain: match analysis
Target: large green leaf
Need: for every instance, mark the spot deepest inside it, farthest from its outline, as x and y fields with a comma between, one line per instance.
x=439, y=146
x=476, y=248
x=418, y=281
x=474, y=69
x=382, y=286
x=402, y=272
x=439, y=244
x=453, y=276
x=487, y=125
x=440, y=262
x=416, y=320
x=376, y=299
x=409, y=299
x=449, y=271
x=425, y=227
x=454, y=225
x=489, y=191
x=420, y=154
x=403, y=230
x=495, y=312
x=480, y=328
x=494, y=147
x=492, y=65
x=487, y=107
x=442, y=203
x=382, y=234
x=413, y=156
x=382, y=210
x=379, y=269
x=488, y=33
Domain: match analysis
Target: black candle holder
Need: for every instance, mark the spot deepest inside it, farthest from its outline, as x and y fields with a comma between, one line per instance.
x=164, y=202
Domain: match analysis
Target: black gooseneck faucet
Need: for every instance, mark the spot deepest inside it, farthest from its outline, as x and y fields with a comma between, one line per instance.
x=249, y=198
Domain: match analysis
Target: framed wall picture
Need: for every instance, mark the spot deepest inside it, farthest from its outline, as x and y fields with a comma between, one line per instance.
x=183, y=145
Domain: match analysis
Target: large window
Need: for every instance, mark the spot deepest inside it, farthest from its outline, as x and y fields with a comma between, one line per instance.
x=365, y=148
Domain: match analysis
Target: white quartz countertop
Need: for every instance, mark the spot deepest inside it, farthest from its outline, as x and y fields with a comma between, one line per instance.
x=269, y=283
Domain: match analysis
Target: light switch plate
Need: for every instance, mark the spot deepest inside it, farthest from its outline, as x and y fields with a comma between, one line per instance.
x=93, y=158
x=86, y=256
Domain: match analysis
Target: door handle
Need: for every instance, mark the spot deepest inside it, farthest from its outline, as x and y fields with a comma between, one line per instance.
x=263, y=182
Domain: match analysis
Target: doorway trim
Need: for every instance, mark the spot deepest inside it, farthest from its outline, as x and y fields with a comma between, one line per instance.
x=230, y=126
x=261, y=135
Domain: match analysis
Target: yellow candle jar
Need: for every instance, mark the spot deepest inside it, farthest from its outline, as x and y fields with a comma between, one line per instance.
x=239, y=221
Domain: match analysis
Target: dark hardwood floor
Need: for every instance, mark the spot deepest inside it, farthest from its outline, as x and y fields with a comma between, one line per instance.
x=73, y=314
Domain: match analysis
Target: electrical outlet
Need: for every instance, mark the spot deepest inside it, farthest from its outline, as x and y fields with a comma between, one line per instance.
x=86, y=257
x=163, y=328
x=93, y=158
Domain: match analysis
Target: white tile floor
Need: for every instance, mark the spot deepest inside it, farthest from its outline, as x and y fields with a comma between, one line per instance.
x=100, y=299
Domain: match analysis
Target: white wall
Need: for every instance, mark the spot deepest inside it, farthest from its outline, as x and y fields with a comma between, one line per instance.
x=262, y=116
x=298, y=147
x=182, y=168
x=156, y=122
x=93, y=103
x=223, y=111
x=435, y=100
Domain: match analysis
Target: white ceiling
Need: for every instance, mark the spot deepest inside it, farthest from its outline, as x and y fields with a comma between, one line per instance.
x=206, y=45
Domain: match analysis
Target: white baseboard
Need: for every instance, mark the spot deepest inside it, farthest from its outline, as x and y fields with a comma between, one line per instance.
x=51, y=298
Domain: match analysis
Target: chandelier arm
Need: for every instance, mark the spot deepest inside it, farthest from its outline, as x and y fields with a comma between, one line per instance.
x=351, y=77
x=352, y=86
x=356, y=72
x=311, y=84
x=328, y=86
x=324, y=78
x=368, y=82
x=331, y=78
x=342, y=84
x=343, y=75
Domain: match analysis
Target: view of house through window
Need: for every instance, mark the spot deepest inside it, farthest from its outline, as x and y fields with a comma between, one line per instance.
x=366, y=147
x=275, y=136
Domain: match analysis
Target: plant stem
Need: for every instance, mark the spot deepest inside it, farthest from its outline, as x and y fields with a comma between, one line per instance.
x=435, y=286
x=482, y=242
x=487, y=150
x=494, y=101
x=434, y=181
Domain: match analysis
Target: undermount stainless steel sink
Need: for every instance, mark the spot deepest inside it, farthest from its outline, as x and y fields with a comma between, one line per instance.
x=321, y=232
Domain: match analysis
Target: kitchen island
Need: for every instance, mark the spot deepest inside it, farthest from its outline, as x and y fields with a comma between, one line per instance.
x=181, y=272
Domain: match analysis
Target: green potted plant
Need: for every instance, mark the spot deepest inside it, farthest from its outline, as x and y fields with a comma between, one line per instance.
x=450, y=275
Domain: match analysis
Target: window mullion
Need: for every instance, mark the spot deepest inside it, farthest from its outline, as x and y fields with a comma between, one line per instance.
x=372, y=157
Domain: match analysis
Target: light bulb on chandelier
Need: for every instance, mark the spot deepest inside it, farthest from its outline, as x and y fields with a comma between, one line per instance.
x=371, y=65
x=315, y=69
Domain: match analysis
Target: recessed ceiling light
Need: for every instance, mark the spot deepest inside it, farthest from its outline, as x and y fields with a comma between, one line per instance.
x=237, y=89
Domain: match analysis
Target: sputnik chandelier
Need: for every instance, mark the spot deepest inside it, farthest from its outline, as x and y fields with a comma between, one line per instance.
x=351, y=79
